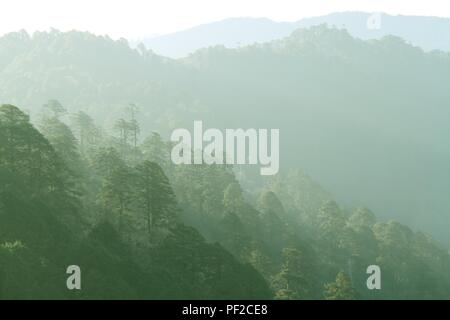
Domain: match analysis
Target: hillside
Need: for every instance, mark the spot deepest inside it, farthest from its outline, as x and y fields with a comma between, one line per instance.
x=367, y=120
x=140, y=227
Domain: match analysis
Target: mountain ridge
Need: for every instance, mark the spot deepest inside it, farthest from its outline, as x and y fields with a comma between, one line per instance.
x=426, y=32
x=357, y=113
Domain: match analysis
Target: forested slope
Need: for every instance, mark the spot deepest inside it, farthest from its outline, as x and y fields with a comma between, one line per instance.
x=142, y=227
x=368, y=120
x=45, y=226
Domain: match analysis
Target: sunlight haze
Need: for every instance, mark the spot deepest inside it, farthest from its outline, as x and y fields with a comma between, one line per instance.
x=137, y=18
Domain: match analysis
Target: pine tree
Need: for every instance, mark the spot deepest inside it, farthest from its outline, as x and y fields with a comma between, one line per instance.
x=291, y=282
x=340, y=289
x=156, y=150
x=25, y=151
x=331, y=221
x=133, y=125
x=154, y=195
x=66, y=146
x=86, y=130
x=55, y=108
x=116, y=190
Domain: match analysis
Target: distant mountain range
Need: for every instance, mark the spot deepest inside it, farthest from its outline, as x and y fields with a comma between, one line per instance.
x=429, y=33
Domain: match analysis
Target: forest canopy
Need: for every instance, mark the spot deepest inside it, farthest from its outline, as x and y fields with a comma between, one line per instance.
x=141, y=227
x=365, y=119
x=86, y=175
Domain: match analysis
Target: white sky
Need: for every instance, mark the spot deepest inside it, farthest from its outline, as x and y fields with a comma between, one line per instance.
x=138, y=18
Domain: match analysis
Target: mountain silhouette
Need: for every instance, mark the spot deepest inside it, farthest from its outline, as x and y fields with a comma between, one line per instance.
x=429, y=33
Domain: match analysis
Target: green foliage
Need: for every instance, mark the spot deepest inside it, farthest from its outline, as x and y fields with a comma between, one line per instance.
x=341, y=289
x=121, y=220
x=141, y=227
x=341, y=138
x=55, y=108
x=154, y=195
x=292, y=278
x=42, y=231
x=116, y=190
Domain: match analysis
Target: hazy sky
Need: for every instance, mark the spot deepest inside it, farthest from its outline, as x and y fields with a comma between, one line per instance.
x=138, y=18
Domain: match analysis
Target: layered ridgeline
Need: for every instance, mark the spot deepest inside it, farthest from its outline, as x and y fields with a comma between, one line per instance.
x=141, y=227
x=368, y=120
x=429, y=33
